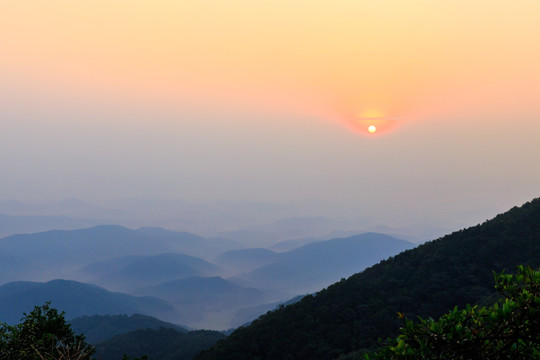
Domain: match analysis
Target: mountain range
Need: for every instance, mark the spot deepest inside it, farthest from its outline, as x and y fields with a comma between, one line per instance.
x=314, y=266
x=20, y=224
x=200, y=299
x=131, y=272
x=75, y=299
x=157, y=262
x=350, y=316
x=245, y=260
x=215, y=283
x=60, y=253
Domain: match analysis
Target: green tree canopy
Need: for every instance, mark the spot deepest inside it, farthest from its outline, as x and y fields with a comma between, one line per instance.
x=510, y=329
x=42, y=334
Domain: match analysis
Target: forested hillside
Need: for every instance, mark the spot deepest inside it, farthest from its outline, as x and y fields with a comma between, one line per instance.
x=161, y=344
x=98, y=328
x=508, y=329
x=427, y=281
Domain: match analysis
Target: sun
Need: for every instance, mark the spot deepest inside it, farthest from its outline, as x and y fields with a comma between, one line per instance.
x=372, y=129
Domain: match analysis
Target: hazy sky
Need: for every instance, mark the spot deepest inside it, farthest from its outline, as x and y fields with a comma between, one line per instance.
x=270, y=101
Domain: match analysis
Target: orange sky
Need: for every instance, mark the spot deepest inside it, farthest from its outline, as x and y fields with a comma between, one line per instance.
x=341, y=58
x=271, y=94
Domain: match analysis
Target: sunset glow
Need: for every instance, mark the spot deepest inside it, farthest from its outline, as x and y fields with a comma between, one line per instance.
x=246, y=99
x=371, y=125
x=321, y=58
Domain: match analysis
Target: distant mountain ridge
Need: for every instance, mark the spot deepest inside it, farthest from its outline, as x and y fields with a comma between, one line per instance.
x=58, y=253
x=19, y=224
x=131, y=272
x=351, y=315
x=243, y=260
x=122, y=259
x=314, y=266
x=76, y=299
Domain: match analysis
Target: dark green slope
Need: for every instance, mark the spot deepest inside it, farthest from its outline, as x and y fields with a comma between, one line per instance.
x=160, y=344
x=98, y=328
x=427, y=281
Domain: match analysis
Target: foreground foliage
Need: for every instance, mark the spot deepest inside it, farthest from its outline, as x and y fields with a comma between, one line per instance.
x=42, y=334
x=510, y=329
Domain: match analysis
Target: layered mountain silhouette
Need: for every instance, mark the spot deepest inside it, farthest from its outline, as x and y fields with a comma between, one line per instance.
x=203, y=291
x=131, y=272
x=75, y=299
x=59, y=253
x=244, y=260
x=122, y=260
x=20, y=224
x=351, y=315
x=197, y=297
x=314, y=266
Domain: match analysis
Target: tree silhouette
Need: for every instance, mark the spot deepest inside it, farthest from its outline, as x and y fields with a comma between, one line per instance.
x=42, y=334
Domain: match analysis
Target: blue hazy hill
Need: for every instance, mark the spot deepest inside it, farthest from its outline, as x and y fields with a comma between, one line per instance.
x=128, y=273
x=244, y=260
x=26, y=224
x=316, y=265
x=76, y=299
x=197, y=298
x=59, y=253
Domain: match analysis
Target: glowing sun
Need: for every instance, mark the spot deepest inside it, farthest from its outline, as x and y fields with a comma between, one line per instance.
x=371, y=129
